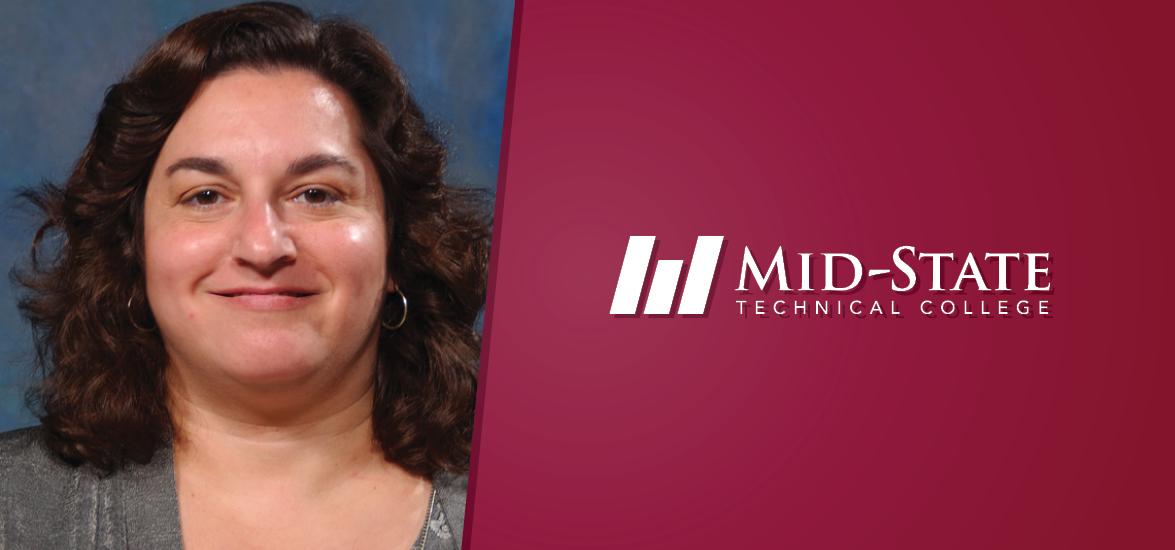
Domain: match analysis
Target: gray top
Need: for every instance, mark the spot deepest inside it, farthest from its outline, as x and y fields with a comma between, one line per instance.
x=45, y=503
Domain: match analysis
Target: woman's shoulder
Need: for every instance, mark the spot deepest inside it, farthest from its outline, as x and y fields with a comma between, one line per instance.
x=34, y=491
x=17, y=441
x=23, y=451
x=447, y=520
x=29, y=470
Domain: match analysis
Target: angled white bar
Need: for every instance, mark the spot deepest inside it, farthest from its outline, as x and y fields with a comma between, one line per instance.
x=701, y=275
x=663, y=287
x=632, y=274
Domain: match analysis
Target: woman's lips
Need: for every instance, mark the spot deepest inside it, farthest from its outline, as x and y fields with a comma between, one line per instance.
x=267, y=301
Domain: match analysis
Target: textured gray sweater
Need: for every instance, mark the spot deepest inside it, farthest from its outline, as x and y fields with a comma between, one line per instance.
x=45, y=503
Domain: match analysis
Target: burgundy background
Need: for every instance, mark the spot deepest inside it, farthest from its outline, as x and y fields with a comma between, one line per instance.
x=839, y=127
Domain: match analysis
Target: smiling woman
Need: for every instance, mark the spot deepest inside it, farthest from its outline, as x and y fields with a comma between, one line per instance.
x=265, y=238
x=259, y=328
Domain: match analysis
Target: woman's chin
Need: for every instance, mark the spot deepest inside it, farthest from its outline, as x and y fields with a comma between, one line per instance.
x=271, y=373
x=273, y=362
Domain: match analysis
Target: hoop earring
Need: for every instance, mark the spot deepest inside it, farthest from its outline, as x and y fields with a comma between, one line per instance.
x=130, y=313
x=403, y=314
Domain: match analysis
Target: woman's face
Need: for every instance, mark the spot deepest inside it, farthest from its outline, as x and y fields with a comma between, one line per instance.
x=264, y=232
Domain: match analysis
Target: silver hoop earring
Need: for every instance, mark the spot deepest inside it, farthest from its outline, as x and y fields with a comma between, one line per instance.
x=403, y=313
x=130, y=313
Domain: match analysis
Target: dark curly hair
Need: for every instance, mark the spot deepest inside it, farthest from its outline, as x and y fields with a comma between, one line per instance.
x=102, y=400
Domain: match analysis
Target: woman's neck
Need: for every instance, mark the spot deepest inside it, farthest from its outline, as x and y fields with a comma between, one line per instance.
x=299, y=450
x=245, y=475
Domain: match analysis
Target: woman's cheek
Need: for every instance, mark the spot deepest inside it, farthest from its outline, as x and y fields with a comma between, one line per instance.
x=361, y=249
x=184, y=253
x=178, y=260
x=351, y=249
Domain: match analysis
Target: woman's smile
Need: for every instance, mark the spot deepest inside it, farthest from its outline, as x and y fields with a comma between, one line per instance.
x=266, y=299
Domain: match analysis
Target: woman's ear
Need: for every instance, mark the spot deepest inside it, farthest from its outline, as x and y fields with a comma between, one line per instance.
x=391, y=285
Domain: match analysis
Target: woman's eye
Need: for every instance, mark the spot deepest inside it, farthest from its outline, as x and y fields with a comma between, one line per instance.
x=206, y=197
x=316, y=196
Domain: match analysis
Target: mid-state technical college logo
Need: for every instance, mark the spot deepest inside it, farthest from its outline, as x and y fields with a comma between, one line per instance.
x=811, y=302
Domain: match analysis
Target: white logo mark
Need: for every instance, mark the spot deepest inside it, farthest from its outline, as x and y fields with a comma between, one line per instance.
x=664, y=285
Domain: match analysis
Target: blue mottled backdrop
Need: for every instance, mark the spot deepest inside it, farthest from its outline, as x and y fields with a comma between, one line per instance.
x=58, y=57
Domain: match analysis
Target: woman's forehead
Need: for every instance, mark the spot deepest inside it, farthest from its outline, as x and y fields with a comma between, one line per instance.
x=247, y=116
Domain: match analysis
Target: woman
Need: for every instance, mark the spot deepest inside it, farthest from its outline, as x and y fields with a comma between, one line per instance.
x=258, y=329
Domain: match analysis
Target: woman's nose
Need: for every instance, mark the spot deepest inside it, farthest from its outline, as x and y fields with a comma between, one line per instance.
x=263, y=240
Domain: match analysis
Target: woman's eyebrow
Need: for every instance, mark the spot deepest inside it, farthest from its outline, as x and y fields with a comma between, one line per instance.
x=208, y=165
x=301, y=166
x=311, y=163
